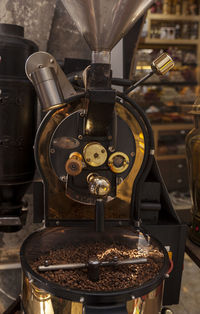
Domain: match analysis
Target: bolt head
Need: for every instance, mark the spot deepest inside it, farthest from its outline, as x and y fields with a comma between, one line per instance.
x=82, y=299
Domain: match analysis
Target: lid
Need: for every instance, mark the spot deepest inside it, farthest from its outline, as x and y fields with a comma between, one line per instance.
x=61, y=245
x=11, y=29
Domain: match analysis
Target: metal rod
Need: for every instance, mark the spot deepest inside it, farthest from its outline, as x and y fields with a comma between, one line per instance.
x=124, y=262
x=62, y=266
x=99, y=218
x=83, y=265
x=131, y=88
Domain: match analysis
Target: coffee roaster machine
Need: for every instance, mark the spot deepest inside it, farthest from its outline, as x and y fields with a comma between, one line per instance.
x=94, y=150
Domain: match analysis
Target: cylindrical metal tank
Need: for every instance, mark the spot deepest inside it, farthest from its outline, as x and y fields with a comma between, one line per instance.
x=17, y=123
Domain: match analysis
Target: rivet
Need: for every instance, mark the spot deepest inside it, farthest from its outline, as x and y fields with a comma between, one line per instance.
x=82, y=299
x=111, y=149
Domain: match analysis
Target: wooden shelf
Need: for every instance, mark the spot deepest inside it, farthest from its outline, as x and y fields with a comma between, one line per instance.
x=155, y=41
x=170, y=157
x=170, y=83
x=170, y=161
x=173, y=17
x=172, y=126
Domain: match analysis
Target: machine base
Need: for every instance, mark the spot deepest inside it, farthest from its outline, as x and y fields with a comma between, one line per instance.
x=194, y=233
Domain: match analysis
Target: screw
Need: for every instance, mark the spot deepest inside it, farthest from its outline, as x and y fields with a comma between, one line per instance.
x=88, y=159
x=111, y=149
x=103, y=151
x=39, y=66
x=52, y=150
x=167, y=276
x=51, y=61
x=80, y=137
x=82, y=299
x=82, y=114
x=133, y=297
x=46, y=263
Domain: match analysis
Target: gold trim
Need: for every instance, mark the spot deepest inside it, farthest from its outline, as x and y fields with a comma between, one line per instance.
x=114, y=168
x=124, y=190
x=53, y=107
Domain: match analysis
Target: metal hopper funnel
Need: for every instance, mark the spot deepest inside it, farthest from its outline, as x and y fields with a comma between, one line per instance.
x=104, y=22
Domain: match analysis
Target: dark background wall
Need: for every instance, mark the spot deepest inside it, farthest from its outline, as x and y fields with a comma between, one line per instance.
x=47, y=23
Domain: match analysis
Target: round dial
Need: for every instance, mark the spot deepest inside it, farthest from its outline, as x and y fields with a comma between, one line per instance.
x=95, y=154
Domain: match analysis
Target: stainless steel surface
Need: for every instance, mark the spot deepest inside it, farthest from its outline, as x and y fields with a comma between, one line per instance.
x=42, y=60
x=162, y=64
x=47, y=87
x=104, y=22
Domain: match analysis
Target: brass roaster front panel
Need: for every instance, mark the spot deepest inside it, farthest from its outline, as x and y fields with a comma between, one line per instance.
x=58, y=205
x=38, y=301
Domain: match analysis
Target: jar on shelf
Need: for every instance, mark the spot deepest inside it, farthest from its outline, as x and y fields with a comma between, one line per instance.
x=185, y=7
x=193, y=161
x=177, y=7
x=167, y=7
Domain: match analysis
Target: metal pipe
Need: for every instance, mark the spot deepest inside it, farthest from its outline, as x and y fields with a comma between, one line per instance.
x=84, y=265
x=99, y=218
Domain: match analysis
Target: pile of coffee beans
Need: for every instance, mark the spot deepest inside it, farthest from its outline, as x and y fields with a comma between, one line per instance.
x=111, y=278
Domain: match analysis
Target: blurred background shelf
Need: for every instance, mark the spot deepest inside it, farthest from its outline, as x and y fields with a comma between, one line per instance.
x=167, y=100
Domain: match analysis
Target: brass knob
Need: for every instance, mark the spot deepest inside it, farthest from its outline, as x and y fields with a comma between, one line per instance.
x=73, y=165
x=162, y=64
x=95, y=154
x=98, y=185
x=118, y=162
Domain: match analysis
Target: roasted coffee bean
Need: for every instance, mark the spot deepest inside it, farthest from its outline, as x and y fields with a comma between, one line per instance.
x=111, y=278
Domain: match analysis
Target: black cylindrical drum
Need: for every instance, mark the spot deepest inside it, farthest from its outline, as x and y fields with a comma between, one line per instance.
x=17, y=122
x=69, y=291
